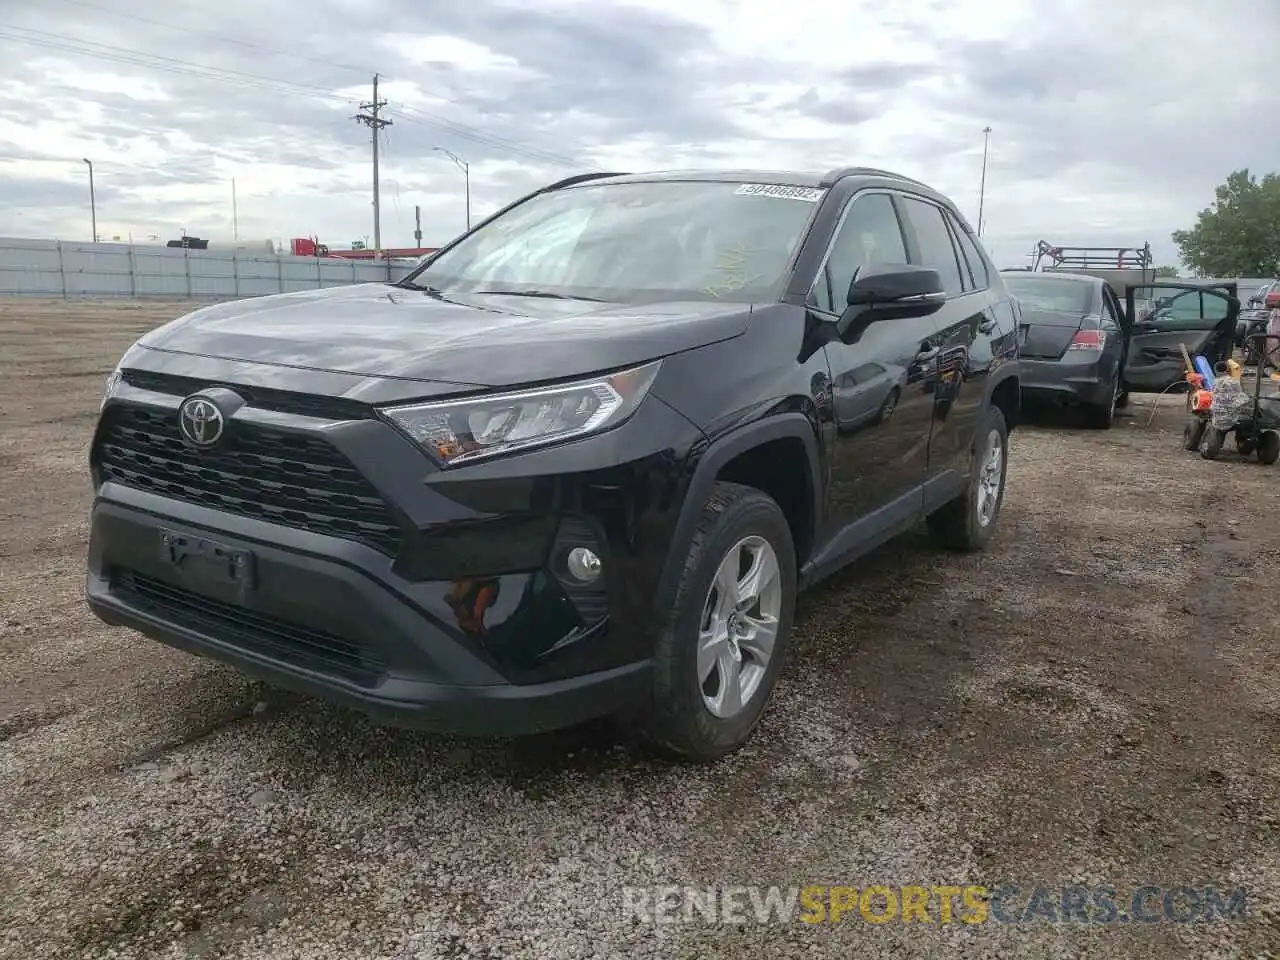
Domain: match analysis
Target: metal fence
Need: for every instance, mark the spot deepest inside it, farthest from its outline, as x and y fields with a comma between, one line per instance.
x=52, y=268
x=1245, y=286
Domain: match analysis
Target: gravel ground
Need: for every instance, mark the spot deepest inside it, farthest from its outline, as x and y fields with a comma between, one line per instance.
x=1096, y=699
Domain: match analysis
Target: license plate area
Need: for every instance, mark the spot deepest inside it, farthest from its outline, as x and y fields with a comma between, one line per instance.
x=219, y=567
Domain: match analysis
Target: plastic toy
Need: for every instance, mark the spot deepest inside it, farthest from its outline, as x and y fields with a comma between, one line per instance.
x=1205, y=370
x=1199, y=403
x=1255, y=420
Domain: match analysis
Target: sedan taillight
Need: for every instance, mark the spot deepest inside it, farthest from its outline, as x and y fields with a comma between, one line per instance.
x=1091, y=340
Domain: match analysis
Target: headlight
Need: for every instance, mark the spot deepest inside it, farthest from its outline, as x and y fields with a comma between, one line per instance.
x=113, y=380
x=457, y=431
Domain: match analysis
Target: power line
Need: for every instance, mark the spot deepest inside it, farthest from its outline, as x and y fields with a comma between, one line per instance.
x=365, y=70
x=113, y=53
x=109, y=52
x=249, y=44
x=470, y=134
x=395, y=186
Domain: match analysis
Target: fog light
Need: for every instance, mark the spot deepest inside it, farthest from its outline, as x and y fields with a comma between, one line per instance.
x=583, y=564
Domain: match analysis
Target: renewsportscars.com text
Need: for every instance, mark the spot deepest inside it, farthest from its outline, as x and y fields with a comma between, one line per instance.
x=942, y=903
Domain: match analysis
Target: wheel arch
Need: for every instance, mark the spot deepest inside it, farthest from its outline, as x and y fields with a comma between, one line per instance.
x=759, y=455
x=1004, y=391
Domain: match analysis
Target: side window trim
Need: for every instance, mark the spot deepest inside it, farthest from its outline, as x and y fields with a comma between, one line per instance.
x=835, y=238
x=908, y=228
x=961, y=236
x=1111, y=304
x=988, y=265
x=968, y=279
x=913, y=245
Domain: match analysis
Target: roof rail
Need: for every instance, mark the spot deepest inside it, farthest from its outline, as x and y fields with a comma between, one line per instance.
x=578, y=178
x=831, y=177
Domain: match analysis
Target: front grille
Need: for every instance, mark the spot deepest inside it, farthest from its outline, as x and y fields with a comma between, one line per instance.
x=264, y=398
x=256, y=471
x=267, y=635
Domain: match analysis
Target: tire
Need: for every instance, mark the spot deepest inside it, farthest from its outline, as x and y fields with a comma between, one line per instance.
x=1193, y=433
x=1103, y=416
x=1269, y=448
x=1211, y=444
x=960, y=524
x=679, y=718
x=1122, y=401
x=889, y=404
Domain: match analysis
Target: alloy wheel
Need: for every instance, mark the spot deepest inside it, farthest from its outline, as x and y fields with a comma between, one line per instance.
x=739, y=626
x=990, y=477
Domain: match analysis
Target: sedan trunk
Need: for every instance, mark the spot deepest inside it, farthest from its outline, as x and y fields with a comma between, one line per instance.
x=1046, y=334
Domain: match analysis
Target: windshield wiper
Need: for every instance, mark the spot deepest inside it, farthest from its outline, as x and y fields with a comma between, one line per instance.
x=425, y=288
x=545, y=294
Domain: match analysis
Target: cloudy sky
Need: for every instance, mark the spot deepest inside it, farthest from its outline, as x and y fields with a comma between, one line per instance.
x=1111, y=123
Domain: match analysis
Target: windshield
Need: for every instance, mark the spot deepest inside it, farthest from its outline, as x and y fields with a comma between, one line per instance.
x=633, y=242
x=1054, y=294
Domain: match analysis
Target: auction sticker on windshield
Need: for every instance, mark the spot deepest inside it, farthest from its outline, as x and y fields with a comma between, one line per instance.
x=807, y=194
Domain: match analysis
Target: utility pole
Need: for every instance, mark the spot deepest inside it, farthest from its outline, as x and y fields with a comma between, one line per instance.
x=235, y=216
x=417, y=227
x=93, y=201
x=982, y=188
x=370, y=118
x=466, y=176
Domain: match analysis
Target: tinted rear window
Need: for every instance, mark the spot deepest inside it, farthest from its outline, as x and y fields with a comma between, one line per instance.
x=1055, y=294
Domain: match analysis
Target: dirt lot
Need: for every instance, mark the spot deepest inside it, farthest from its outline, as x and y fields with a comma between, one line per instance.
x=1095, y=700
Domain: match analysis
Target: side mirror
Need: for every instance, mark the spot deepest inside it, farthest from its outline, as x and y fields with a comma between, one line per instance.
x=891, y=291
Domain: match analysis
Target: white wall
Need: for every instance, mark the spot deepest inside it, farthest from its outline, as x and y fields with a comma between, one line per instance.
x=44, y=268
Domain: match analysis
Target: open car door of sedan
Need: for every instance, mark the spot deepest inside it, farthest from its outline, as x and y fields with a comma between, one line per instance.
x=1159, y=316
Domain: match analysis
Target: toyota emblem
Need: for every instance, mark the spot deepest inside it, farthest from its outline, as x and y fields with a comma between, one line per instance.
x=200, y=421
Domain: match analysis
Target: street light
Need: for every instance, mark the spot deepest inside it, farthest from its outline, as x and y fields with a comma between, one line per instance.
x=982, y=188
x=466, y=173
x=93, y=202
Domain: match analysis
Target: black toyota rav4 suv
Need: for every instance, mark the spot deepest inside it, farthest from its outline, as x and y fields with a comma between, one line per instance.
x=578, y=462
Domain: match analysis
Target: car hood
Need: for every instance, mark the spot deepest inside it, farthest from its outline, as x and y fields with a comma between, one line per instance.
x=379, y=330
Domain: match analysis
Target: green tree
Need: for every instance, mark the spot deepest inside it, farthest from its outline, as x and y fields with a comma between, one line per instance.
x=1170, y=272
x=1238, y=235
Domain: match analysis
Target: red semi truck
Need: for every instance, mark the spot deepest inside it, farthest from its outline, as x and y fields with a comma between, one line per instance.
x=310, y=247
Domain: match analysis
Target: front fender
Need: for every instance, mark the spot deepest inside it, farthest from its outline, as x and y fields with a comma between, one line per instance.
x=706, y=468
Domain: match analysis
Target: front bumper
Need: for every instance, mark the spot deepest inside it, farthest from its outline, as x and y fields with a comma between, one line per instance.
x=468, y=626
x=1067, y=382
x=320, y=626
